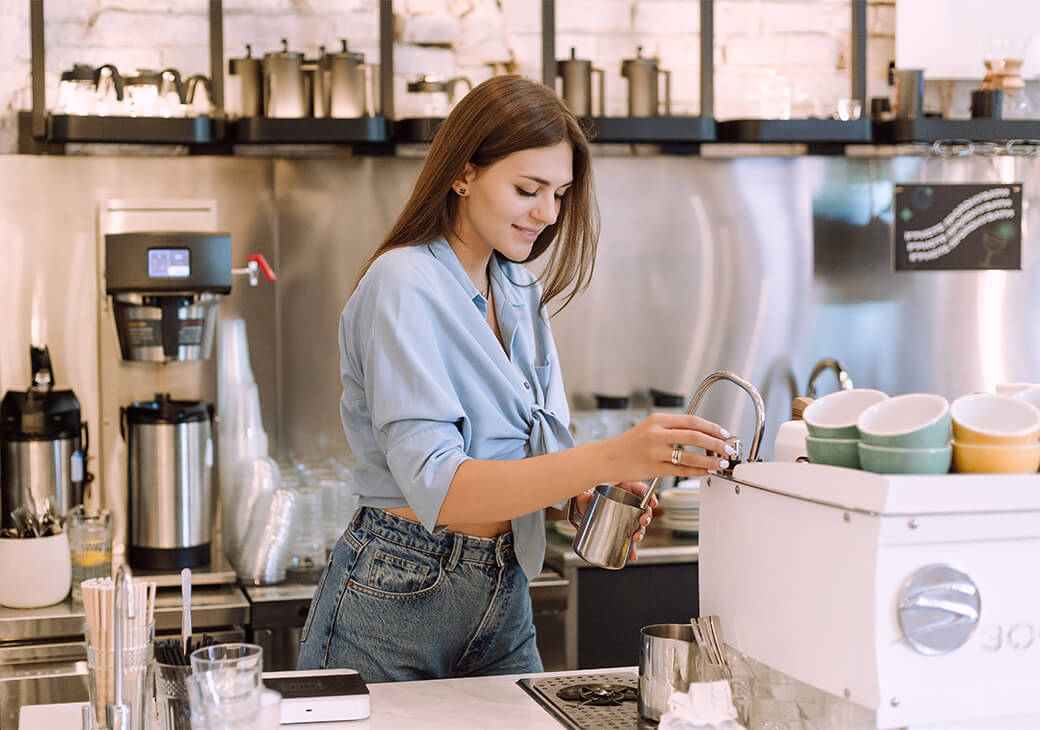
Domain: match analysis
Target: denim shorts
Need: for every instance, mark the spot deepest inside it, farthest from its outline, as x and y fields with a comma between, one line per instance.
x=397, y=603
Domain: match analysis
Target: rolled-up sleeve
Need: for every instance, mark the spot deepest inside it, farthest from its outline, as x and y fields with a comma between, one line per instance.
x=417, y=418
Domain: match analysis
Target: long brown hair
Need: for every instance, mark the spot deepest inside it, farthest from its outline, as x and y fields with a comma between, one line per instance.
x=503, y=115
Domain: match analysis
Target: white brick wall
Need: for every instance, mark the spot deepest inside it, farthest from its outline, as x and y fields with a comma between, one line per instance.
x=802, y=41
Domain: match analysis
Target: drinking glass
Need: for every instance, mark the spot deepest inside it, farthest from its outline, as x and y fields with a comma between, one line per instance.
x=136, y=673
x=225, y=687
x=90, y=547
x=223, y=699
x=171, y=696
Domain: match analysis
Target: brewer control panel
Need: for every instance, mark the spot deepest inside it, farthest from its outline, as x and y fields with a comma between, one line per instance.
x=157, y=262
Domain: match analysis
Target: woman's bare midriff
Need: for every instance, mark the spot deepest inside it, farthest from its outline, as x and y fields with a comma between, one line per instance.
x=476, y=529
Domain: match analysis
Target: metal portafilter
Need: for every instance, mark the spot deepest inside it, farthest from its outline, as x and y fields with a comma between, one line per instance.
x=604, y=536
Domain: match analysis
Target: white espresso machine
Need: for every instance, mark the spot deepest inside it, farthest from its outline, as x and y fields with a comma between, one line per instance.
x=916, y=597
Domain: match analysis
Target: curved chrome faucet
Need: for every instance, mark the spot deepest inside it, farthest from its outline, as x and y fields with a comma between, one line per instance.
x=760, y=417
x=828, y=363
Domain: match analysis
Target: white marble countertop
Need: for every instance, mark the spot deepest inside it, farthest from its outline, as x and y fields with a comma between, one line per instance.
x=476, y=703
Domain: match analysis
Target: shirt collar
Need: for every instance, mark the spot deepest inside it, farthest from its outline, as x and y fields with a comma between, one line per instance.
x=443, y=252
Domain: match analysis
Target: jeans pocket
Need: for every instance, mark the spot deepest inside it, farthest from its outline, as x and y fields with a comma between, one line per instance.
x=392, y=571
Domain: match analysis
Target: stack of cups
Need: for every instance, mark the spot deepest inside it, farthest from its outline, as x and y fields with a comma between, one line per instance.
x=266, y=550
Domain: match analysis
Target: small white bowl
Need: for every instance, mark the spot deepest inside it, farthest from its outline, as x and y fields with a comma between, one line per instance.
x=1030, y=395
x=35, y=571
x=1014, y=388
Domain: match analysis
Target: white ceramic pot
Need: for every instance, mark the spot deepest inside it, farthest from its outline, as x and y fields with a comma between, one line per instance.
x=34, y=572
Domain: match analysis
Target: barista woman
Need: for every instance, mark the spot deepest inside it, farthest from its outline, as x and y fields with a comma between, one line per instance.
x=454, y=408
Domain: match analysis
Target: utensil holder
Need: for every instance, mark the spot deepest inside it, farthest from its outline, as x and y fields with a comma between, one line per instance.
x=34, y=571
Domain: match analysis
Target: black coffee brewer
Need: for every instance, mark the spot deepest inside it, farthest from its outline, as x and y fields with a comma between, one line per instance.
x=43, y=444
x=165, y=288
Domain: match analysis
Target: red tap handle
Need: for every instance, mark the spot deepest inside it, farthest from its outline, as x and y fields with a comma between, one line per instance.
x=265, y=267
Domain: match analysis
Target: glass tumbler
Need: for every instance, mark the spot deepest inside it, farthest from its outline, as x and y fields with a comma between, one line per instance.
x=136, y=673
x=171, y=696
x=224, y=689
x=90, y=546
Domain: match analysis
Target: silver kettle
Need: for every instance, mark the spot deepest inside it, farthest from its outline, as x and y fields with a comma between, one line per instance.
x=643, y=81
x=577, y=85
x=348, y=81
x=285, y=91
x=248, y=72
x=442, y=92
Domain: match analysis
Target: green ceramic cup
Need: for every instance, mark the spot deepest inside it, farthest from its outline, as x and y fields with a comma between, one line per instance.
x=834, y=416
x=912, y=421
x=888, y=460
x=836, y=452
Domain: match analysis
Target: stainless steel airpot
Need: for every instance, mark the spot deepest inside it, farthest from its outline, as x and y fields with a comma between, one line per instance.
x=605, y=533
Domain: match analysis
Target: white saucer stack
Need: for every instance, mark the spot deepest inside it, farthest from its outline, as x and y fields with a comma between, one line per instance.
x=682, y=506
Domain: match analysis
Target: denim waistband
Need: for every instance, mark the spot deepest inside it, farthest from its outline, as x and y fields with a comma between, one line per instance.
x=453, y=545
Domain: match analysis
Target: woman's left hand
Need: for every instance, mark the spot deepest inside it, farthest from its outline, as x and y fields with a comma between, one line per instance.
x=636, y=488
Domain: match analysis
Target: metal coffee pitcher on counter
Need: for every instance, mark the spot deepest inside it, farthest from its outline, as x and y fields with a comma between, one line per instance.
x=347, y=83
x=605, y=533
x=198, y=95
x=643, y=81
x=577, y=85
x=285, y=91
x=248, y=72
x=442, y=91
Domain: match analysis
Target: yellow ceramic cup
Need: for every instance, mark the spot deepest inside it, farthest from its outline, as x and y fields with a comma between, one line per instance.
x=990, y=459
x=999, y=420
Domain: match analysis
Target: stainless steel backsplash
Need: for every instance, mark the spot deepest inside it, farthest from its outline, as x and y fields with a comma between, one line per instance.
x=756, y=265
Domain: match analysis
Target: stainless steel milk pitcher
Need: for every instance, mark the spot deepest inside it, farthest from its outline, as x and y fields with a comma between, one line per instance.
x=604, y=536
x=643, y=74
x=577, y=85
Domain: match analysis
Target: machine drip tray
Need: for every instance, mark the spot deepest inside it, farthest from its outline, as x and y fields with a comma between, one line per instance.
x=217, y=572
x=592, y=701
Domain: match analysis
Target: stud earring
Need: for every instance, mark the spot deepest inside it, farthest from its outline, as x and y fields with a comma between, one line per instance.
x=461, y=191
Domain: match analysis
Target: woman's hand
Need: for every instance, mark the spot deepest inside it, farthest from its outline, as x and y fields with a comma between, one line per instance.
x=649, y=449
x=637, y=488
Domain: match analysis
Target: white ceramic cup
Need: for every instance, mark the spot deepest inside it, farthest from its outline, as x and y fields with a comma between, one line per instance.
x=1014, y=388
x=35, y=571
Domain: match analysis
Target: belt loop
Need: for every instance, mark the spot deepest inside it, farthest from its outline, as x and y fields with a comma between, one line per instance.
x=456, y=553
x=356, y=522
x=500, y=548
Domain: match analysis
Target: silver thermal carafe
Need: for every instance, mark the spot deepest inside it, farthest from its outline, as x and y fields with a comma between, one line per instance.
x=577, y=85
x=285, y=88
x=169, y=481
x=249, y=73
x=44, y=444
x=643, y=76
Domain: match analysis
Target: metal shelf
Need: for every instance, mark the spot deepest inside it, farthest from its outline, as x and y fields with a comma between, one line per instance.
x=932, y=129
x=416, y=130
x=65, y=128
x=651, y=130
x=43, y=133
x=795, y=131
x=308, y=130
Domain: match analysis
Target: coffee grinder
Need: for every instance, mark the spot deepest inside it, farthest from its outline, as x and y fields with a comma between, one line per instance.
x=165, y=288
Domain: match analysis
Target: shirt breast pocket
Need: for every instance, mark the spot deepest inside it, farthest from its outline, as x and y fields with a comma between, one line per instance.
x=543, y=373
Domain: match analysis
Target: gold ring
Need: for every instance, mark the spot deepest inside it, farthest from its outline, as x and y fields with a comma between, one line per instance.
x=677, y=456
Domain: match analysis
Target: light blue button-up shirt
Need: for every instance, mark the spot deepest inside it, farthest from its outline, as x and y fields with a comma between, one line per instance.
x=427, y=385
